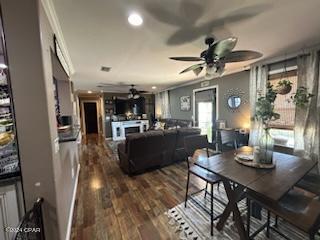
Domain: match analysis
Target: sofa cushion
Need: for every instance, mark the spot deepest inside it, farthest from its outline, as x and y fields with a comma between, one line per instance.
x=183, y=132
x=174, y=123
x=184, y=123
x=140, y=144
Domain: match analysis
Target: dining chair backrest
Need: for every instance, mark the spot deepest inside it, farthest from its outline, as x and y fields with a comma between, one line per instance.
x=194, y=142
x=228, y=137
x=31, y=220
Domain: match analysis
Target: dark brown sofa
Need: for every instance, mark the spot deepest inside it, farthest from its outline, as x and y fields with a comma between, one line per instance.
x=176, y=123
x=153, y=149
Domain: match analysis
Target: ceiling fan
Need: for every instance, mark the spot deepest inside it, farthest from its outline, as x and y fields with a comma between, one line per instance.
x=216, y=56
x=133, y=92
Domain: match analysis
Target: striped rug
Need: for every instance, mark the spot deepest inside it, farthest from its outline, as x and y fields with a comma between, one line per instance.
x=194, y=223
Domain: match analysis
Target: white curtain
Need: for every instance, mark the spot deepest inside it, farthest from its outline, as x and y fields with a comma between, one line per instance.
x=258, y=84
x=163, y=105
x=307, y=120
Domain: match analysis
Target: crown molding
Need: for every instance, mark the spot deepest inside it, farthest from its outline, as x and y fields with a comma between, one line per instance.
x=201, y=79
x=55, y=24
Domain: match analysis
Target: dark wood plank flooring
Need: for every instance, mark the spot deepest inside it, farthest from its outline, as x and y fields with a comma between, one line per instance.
x=112, y=205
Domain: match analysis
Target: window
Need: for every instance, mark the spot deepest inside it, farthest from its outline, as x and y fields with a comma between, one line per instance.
x=282, y=129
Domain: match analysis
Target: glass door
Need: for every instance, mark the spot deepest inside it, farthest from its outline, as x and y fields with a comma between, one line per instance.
x=205, y=111
x=205, y=118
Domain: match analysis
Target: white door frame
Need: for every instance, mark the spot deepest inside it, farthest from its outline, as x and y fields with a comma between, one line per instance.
x=194, y=100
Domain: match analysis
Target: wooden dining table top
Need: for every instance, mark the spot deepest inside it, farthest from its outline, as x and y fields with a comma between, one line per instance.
x=271, y=183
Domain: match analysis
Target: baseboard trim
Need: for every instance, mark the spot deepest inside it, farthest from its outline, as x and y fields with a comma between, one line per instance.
x=72, y=205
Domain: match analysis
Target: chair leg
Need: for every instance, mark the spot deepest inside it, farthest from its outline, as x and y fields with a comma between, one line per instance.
x=248, y=216
x=185, y=203
x=276, y=222
x=268, y=225
x=211, y=209
x=205, y=192
x=311, y=236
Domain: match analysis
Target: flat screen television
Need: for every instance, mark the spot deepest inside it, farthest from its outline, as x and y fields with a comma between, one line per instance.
x=121, y=106
x=135, y=106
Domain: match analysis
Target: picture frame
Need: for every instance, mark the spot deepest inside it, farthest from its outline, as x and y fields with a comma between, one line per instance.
x=185, y=103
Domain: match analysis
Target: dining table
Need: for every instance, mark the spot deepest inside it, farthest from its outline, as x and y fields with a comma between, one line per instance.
x=237, y=179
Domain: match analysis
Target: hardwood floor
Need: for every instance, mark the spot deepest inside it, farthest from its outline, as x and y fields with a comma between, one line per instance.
x=112, y=205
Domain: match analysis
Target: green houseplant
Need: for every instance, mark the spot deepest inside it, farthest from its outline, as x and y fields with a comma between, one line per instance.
x=301, y=98
x=284, y=87
x=265, y=114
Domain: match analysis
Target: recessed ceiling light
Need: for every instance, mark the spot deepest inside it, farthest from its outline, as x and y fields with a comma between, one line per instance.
x=154, y=87
x=89, y=91
x=135, y=19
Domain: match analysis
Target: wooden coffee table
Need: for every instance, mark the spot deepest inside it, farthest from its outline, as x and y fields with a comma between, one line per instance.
x=269, y=183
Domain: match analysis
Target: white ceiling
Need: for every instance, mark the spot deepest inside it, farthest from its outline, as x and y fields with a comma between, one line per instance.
x=97, y=33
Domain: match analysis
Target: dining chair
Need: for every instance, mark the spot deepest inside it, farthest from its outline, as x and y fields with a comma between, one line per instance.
x=191, y=144
x=310, y=183
x=31, y=220
x=228, y=139
x=296, y=208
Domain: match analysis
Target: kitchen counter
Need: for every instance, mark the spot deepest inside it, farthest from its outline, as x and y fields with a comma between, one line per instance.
x=69, y=135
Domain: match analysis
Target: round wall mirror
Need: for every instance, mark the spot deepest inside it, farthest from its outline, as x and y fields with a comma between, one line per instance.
x=234, y=101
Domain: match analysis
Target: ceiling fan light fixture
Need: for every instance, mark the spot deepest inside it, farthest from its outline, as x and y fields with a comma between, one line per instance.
x=221, y=71
x=208, y=76
x=136, y=96
x=130, y=95
x=211, y=69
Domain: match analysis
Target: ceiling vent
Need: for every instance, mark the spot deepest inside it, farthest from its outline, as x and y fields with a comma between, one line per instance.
x=105, y=69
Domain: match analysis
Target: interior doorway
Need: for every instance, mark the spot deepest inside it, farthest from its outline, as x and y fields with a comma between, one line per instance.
x=90, y=117
x=205, y=110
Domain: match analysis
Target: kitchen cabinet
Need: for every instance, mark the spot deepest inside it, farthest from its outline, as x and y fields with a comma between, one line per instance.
x=9, y=215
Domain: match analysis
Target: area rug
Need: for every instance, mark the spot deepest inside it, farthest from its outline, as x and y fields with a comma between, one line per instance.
x=194, y=223
x=113, y=145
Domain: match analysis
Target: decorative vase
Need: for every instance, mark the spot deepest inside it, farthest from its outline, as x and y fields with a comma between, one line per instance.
x=266, y=145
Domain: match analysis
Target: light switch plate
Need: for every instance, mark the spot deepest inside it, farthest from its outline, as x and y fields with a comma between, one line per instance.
x=56, y=145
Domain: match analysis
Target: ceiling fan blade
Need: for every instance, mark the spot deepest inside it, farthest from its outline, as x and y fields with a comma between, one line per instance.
x=189, y=59
x=193, y=67
x=223, y=47
x=197, y=71
x=244, y=55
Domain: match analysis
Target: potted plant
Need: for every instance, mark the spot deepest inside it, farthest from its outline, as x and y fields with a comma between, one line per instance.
x=265, y=113
x=284, y=87
x=301, y=98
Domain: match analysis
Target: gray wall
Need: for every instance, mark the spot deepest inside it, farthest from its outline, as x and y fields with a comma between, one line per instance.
x=241, y=118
